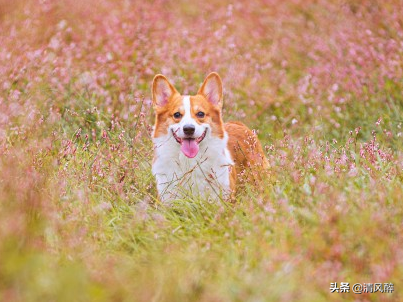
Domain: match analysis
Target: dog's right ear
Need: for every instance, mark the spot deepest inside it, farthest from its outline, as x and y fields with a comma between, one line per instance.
x=212, y=89
x=162, y=91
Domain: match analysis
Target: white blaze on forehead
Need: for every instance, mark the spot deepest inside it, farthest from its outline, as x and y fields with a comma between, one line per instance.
x=186, y=104
x=187, y=117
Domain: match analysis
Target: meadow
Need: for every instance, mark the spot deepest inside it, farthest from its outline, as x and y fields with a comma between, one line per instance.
x=321, y=83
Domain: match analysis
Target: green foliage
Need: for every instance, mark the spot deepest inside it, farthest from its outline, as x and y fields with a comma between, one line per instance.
x=79, y=215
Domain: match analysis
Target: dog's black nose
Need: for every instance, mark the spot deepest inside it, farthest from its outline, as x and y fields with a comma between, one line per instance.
x=189, y=129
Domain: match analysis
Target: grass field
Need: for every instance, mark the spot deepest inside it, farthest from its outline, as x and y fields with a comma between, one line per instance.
x=320, y=81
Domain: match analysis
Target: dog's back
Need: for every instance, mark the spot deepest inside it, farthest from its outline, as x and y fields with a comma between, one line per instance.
x=247, y=153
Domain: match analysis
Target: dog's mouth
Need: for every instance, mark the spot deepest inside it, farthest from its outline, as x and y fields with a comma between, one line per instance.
x=190, y=146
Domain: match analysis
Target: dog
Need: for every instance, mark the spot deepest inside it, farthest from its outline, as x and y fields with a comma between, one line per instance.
x=195, y=153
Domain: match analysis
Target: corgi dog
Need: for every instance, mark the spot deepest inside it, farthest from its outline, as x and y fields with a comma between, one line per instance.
x=195, y=152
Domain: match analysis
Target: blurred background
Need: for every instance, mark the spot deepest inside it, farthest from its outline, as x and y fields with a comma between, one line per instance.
x=320, y=81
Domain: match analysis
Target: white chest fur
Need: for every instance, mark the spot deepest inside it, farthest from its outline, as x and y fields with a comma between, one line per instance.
x=206, y=175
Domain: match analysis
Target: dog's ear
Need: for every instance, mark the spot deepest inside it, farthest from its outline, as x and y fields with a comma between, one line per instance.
x=212, y=89
x=162, y=91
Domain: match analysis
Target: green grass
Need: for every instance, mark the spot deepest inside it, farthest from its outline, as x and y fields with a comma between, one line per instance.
x=79, y=215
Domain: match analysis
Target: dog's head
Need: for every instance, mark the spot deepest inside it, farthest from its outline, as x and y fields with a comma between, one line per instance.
x=190, y=120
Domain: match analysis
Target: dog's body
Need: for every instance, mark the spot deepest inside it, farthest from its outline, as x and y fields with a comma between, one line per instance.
x=195, y=152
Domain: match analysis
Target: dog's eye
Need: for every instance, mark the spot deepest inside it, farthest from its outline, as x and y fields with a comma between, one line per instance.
x=177, y=115
x=200, y=114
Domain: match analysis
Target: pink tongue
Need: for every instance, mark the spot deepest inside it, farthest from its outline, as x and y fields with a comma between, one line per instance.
x=189, y=147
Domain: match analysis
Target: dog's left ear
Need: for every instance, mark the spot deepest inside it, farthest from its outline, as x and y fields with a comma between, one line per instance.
x=162, y=91
x=212, y=89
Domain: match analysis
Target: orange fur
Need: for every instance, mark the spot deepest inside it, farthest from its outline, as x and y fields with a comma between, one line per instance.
x=247, y=154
